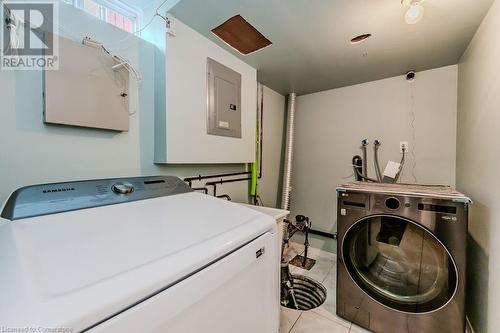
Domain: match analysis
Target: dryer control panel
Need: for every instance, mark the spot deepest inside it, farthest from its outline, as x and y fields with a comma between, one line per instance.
x=45, y=199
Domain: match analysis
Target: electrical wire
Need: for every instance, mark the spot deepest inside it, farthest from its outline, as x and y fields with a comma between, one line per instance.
x=152, y=18
x=413, y=131
x=13, y=21
x=119, y=62
x=149, y=23
x=401, y=165
x=135, y=33
x=11, y=24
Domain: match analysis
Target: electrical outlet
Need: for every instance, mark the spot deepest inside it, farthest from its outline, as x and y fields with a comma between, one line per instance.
x=403, y=145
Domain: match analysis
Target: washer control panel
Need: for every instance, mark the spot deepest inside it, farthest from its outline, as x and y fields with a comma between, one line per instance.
x=45, y=199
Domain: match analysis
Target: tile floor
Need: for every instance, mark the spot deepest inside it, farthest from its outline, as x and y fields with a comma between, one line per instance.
x=322, y=319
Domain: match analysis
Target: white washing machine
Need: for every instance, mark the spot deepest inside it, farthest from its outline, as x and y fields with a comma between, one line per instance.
x=135, y=255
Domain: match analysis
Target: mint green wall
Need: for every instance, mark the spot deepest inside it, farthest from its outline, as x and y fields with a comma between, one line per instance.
x=31, y=152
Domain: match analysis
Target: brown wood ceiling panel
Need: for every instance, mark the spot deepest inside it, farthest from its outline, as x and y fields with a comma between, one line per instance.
x=241, y=35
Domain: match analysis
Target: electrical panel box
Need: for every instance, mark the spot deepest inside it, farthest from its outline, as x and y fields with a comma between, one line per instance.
x=223, y=100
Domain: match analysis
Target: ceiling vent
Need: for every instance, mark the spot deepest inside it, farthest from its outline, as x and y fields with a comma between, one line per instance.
x=241, y=35
x=360, y=38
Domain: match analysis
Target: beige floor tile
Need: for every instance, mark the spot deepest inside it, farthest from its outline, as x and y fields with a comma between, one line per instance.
x=319, y=271
x=316, y=253
x=323, y=312
x=357, y=329
x=288, y=318
x=310, y=322
x=296, y=270
x=328, y=309
x=292, y=250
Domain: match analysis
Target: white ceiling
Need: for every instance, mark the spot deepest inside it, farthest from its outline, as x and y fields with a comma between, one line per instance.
x=311, y=48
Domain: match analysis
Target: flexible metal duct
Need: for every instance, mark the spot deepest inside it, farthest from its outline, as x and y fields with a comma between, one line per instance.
x=287, y=175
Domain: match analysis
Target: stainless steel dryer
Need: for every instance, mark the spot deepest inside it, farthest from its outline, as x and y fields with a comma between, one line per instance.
x=401, y=262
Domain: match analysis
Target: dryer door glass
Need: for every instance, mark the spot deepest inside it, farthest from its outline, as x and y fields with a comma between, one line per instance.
x=399, y=264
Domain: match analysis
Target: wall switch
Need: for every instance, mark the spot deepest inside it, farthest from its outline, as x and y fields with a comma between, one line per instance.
x=403, y=145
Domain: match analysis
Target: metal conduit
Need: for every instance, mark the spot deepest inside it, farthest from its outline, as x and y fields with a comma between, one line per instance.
x=287, y=175
x=287, y=171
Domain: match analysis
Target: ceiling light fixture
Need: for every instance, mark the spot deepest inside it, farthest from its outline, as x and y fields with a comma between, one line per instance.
x=415, y=13
x=360, y=38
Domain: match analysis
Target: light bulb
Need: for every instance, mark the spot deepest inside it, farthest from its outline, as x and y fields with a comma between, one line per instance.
x=414, y=14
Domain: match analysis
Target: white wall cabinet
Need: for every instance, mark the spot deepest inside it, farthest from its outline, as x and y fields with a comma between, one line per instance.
x=181, y=135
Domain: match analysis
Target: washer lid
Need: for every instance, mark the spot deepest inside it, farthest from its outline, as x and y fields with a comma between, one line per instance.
x=76, y=268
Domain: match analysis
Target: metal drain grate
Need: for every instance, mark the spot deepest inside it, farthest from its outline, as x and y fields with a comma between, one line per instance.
x=306, y=294
x=298, y=261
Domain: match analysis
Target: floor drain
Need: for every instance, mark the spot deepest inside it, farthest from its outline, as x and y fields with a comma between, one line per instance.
x=305, y=294
x=303, y=262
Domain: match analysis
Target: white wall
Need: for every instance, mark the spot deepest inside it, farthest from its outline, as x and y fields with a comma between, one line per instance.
x=186, y=107
x=331, y=124
x=478, y=161
x=269, y=185
x=274, y=117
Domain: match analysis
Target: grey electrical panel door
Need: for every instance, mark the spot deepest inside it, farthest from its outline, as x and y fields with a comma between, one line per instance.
x=224, y=100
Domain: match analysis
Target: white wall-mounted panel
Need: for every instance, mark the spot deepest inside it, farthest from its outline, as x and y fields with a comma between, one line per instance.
x=181, y=130
x=86, y=91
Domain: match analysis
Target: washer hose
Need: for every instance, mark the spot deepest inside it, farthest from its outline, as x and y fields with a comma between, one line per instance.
x=364, y=144
x=375, y=160
x=358, y=173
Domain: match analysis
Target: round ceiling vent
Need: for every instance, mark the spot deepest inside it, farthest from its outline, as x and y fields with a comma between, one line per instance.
x=360, y=38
